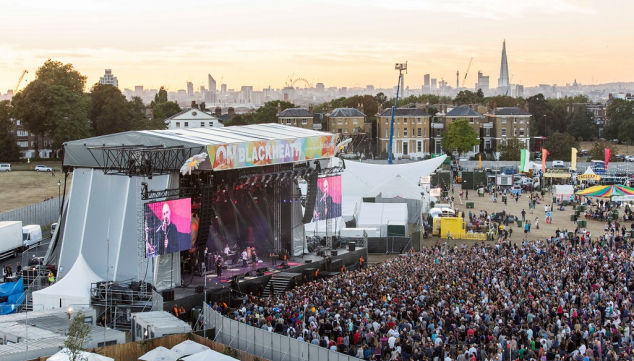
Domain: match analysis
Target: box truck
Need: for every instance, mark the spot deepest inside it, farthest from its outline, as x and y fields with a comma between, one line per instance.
x=10, y=238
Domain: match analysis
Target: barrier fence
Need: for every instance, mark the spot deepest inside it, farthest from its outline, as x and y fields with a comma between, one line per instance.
x=43, y=213
x=269, y=345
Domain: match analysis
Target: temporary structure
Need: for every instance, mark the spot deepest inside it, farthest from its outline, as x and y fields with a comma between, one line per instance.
x=400, y=190
x=208, y=355
x=589, y=174
x=189, y=347
x=564, y=192
x=607, y=191
x=63, y=355
x=160, y=354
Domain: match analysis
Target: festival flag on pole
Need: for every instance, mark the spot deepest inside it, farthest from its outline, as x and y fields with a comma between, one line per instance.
x=544, y=156
x=573, y=159
x=524, y=158
x=608, y=154
x=480, y=160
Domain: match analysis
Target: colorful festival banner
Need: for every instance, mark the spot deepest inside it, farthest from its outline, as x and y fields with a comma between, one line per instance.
x=573, y=159
x=608, y=155
x=544, y=156
x=267, y=152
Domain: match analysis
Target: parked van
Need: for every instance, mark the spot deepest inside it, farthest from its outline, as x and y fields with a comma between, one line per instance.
x=31, y=234
x=5, y=167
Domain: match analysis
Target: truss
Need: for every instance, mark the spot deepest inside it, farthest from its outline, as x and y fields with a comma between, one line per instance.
x=140, y=160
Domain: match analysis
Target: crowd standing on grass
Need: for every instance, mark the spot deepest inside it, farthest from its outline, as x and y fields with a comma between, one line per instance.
x=566, y=298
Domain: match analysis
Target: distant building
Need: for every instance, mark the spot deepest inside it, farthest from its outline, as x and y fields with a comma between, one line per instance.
x=502, y=124
x=411, y=132
x=190, y=89
x=298, y=117
x=426, y=84
x=223, y=88
x=346, y=121
x=483, y=82
x=192, y=118
x=29, y=142
x=109, y=79
x=503, y=80
x=433, y=85
x=320, y=87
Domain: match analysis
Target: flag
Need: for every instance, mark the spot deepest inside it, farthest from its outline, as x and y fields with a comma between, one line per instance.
x=608, y=155
x=480, y=160
x=544, y=156
x=573, y=159
x=524, y=158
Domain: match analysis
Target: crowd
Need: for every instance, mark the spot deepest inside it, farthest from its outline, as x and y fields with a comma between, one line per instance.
x=604, y=211
x=566, y=298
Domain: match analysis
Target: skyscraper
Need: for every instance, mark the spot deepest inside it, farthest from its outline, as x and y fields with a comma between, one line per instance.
x=483, y=82
x=190, y=89
x=108, y=78
x=426, y=84
x=503, y=80
x=211, y=83
x=223, y=88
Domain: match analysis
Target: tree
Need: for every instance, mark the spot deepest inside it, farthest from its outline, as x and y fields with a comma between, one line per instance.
x=598, y=150
x=77, y=337
x=559, y=146
x=620, y=114
x=160, y=97
x=267, y=113
x=459, y=137
x=241, y=119
x=469, y=97
x=162, y=109
x=57, y=73
x=9, y=150
x=581, y=124
x=139, y=120
x=109, y=110
x=503, y=101
x=511, y=150
x=54, y=104
x=540, y=109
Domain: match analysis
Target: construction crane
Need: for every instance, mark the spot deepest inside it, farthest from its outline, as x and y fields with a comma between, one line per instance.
x=466, y=72
x=19, y=82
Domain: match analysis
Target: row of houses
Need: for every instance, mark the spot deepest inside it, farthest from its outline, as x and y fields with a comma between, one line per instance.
x=416, y=133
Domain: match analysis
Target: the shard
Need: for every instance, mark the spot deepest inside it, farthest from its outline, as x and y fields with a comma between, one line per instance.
x=503, y=80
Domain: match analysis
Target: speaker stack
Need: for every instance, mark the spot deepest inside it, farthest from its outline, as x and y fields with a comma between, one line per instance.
x=351, y=246
x=168, y=295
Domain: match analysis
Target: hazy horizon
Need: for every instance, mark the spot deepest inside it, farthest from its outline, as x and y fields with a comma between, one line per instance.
x=339, y=44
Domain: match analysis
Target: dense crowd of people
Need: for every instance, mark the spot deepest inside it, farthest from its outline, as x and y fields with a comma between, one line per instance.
x=566, y=298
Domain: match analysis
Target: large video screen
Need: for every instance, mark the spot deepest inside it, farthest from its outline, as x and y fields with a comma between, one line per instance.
x=168, y=227
x=328, y=202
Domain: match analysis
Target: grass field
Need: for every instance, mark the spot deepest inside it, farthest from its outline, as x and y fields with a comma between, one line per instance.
x=24, y=186
x=621, y=149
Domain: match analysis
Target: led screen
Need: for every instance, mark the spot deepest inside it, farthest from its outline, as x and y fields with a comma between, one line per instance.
x=328, y=202
x=168, y=227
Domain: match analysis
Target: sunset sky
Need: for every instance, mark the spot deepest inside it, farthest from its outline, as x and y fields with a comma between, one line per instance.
x=337, y=42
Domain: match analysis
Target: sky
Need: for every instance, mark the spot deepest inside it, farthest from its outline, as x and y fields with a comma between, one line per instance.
x=336, y=42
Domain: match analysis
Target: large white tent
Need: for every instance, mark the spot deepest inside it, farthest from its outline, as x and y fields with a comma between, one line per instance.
x=64, y=355
x=67, y=291
x=382, y=215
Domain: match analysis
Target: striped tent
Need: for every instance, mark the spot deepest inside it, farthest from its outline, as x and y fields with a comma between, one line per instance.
x=607, y=191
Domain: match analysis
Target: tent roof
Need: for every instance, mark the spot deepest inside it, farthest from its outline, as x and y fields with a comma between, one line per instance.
x=208, y=355
x=88, y=356
x=372, y=214
x=160, y=354
x=189, y=347
x=80, y=274
x=397, y=187
x=76, y=154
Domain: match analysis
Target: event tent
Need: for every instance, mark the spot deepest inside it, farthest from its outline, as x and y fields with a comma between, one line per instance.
x=189, y=347
x=160, y=354
x=67, y=292
x=208, y=355
x=63, y=355
x=382, y=215
x=607, y=191
x=400, y=190
x=563, y=192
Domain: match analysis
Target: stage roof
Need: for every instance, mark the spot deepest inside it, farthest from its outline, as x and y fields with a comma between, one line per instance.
x=227, y=147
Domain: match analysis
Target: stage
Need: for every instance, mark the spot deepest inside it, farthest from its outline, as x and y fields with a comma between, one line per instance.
x=238, y=282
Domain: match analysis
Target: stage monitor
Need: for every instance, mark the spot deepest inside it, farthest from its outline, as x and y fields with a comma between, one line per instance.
x=168, y=227
x=328, y=202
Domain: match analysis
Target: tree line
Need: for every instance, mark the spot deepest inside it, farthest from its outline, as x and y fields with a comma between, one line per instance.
x=55, y=106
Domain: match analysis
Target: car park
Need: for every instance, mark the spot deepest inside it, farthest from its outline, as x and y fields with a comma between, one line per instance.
x=43, y=168
x=5, y=167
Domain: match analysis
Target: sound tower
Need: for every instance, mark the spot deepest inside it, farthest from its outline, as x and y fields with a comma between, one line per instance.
x=311, y=197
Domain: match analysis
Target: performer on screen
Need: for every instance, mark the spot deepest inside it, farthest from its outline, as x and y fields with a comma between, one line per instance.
x=167, y=235
x=325, y=207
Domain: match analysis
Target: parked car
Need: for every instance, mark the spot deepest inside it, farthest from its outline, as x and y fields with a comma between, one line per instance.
x=5, y=167
x=558, y=163
x=43, y=168
x=629, y=158
x=619, y=158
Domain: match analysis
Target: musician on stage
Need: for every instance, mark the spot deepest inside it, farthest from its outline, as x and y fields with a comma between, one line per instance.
x=245, y=258
x=254, y=258
x=219, y=262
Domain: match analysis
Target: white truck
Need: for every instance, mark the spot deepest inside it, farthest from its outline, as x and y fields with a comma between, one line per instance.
x=31, y=235
x=10, y=238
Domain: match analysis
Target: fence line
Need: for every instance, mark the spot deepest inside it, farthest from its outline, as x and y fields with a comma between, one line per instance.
x=269, y=345
x=43, y=213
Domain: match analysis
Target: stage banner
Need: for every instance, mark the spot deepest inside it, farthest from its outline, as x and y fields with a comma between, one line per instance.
x=268, y=152
x=328, y=202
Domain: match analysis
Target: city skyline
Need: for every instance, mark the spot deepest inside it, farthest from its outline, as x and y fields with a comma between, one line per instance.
x=249, y=43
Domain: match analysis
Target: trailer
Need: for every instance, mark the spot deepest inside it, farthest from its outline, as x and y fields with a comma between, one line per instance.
x=10, y=238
